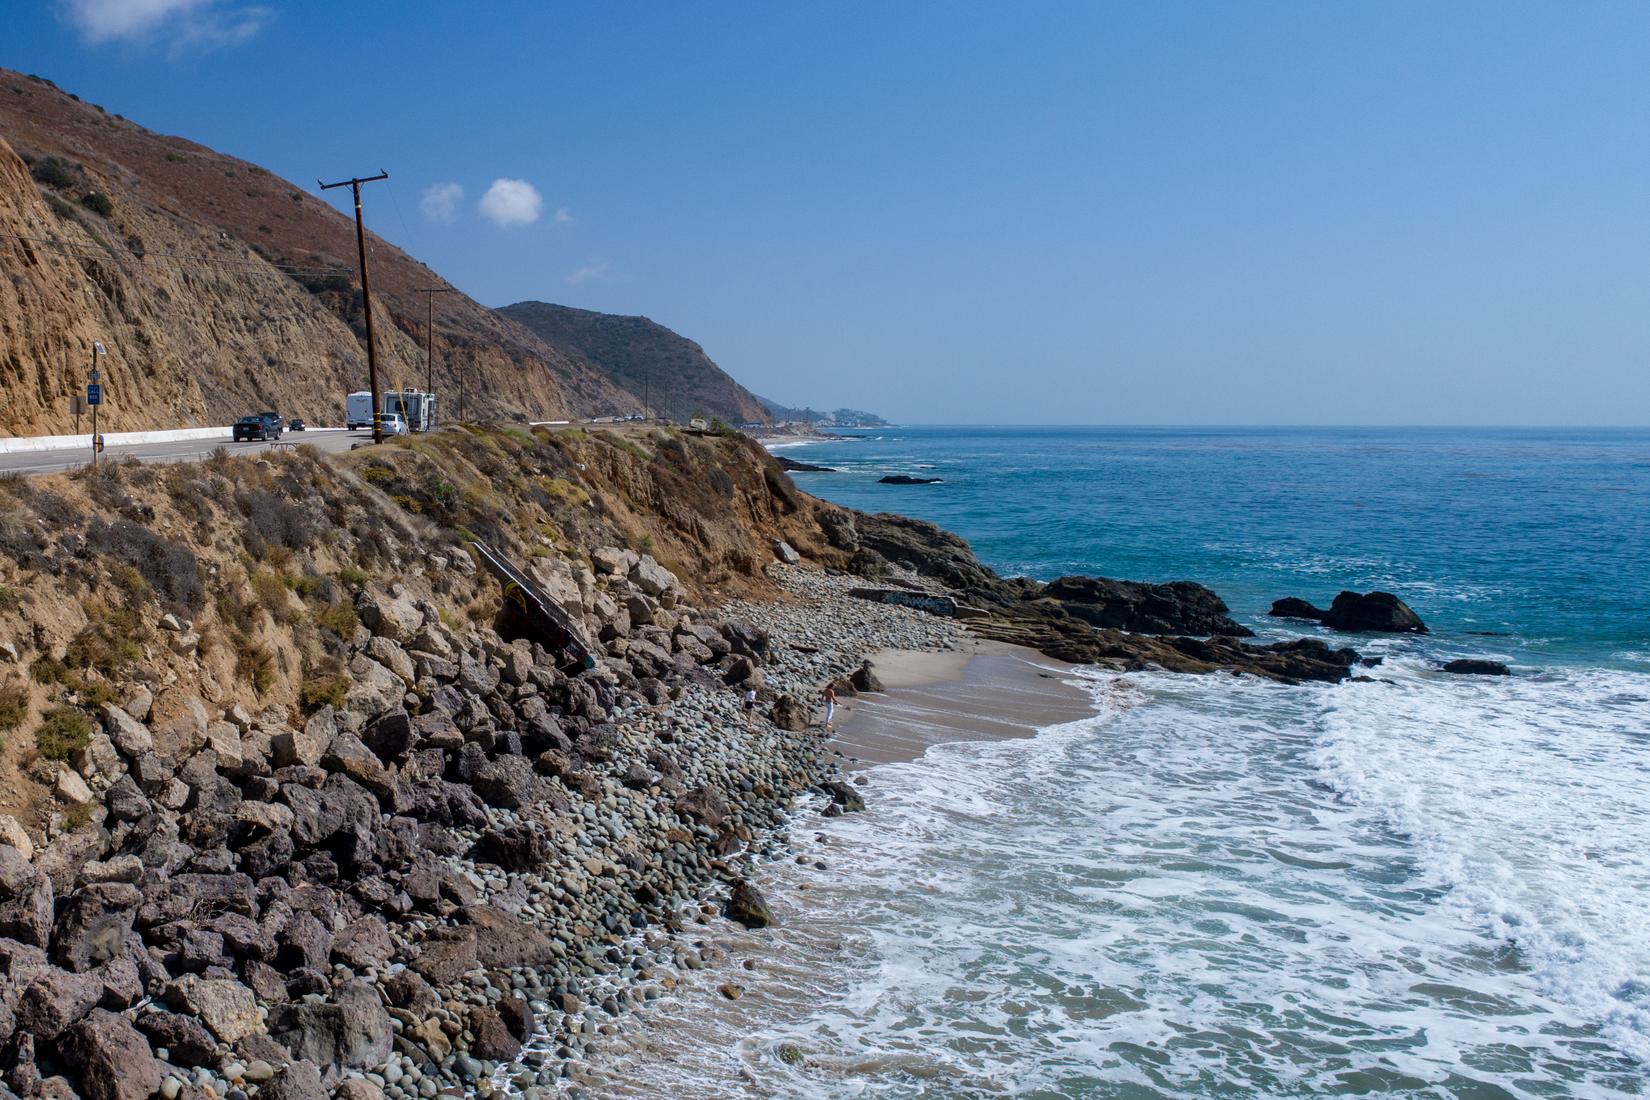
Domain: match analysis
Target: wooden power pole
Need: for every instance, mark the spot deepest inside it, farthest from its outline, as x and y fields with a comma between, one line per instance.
x=366, y=293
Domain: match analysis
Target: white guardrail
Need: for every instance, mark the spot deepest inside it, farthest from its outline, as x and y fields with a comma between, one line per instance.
x=123, y=439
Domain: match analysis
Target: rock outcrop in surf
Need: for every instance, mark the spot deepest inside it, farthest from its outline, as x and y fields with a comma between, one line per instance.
x=1355, y=613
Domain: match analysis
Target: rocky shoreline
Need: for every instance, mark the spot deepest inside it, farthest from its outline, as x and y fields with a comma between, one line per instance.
x=314, y=814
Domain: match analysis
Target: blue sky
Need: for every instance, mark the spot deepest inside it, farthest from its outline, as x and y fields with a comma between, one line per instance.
x=1088, y=213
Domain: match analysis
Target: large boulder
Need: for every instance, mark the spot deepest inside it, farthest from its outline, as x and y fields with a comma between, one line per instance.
x=306, y=746
x=25, y=899
x=178, y=723
x=1293, y=607
x=363, y=944
x=299, y=1080
x=350, y=1032
x=113, y=1061
x=55, y=1000
x=791, y=713
x=1379, y=612
x=227, y=1007
x=504, y=942
x=93, y=923
x=446, y=954
x=492, y=1039
x=1180, y=607
x=185, y=1040
x=514, y=848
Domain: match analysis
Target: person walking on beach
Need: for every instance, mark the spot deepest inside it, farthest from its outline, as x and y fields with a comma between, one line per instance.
x=749, y=704
x=830, y=703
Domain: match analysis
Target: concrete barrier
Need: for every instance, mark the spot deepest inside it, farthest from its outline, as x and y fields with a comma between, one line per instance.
x=122, y=439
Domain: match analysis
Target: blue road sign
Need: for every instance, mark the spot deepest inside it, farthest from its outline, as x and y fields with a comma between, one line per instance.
x=94, y=393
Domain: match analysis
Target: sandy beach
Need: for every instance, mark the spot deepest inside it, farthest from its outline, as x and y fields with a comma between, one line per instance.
x=981, y=691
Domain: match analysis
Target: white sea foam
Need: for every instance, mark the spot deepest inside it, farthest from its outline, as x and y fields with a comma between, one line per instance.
x=1431, y=887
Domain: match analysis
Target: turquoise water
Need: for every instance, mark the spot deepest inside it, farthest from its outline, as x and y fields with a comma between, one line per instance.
x=1424, y=886
x=1542, y=534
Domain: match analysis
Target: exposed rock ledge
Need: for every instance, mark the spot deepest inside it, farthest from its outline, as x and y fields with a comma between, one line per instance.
x=1090, y=620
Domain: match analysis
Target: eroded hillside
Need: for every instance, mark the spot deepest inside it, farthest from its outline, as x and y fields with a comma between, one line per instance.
x=218, y=288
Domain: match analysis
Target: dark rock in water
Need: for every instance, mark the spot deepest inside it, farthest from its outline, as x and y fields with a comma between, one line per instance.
x=907, y=479
x=747, y=906
x=112, y=1059
x=1292, y=607
x=844, y=796
x=1373, y=612
x=1180, y=607
x=791, y=465
x=1474, y=666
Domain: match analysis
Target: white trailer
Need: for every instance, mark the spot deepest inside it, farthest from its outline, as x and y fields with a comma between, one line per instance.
x=416, y=407
x=358, y=410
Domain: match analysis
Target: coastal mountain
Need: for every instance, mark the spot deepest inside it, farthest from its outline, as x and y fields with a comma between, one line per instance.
x=841, y=418
x=668, y=372
x=219, y=288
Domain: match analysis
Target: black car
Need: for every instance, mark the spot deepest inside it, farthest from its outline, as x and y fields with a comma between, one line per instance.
x=256, y=428
x=295, y=425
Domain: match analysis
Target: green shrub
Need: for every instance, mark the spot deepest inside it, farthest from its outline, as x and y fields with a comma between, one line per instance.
x=98, y=203
x=340, y=618
x=62, y=732
x=54, y=172
x=324, y=690
x=14, y=705
x=112, y=640
x=62, y=207
x=352, y=576
x=254, y=663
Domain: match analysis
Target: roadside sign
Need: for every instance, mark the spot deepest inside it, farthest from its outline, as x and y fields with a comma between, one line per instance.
x=77, y=405
x=94, y=393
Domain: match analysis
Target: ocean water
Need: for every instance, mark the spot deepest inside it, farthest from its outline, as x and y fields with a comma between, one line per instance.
x=1425, y=886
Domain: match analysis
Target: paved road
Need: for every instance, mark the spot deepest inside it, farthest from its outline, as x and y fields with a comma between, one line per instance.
x=191, y=450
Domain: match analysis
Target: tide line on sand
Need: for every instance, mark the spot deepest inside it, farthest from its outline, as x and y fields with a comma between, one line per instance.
x=983, y=691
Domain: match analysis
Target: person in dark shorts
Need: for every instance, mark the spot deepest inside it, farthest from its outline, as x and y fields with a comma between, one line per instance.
x=749, y=704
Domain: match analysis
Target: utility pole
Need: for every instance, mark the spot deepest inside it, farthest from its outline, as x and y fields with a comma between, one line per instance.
x=94, y=397
x=429, y=293
x=366, y=293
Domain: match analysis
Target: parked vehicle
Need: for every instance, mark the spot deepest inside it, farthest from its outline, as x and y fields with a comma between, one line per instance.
x=415, y=406
x=393, y=424
x=358, y=410
x=295, y=425
x=249, y=428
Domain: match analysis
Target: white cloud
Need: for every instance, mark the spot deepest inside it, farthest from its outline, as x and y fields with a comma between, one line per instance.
x=440, y=201
x=591, y=272
x=564, y=216
x=512, y=202
x=188, y=24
